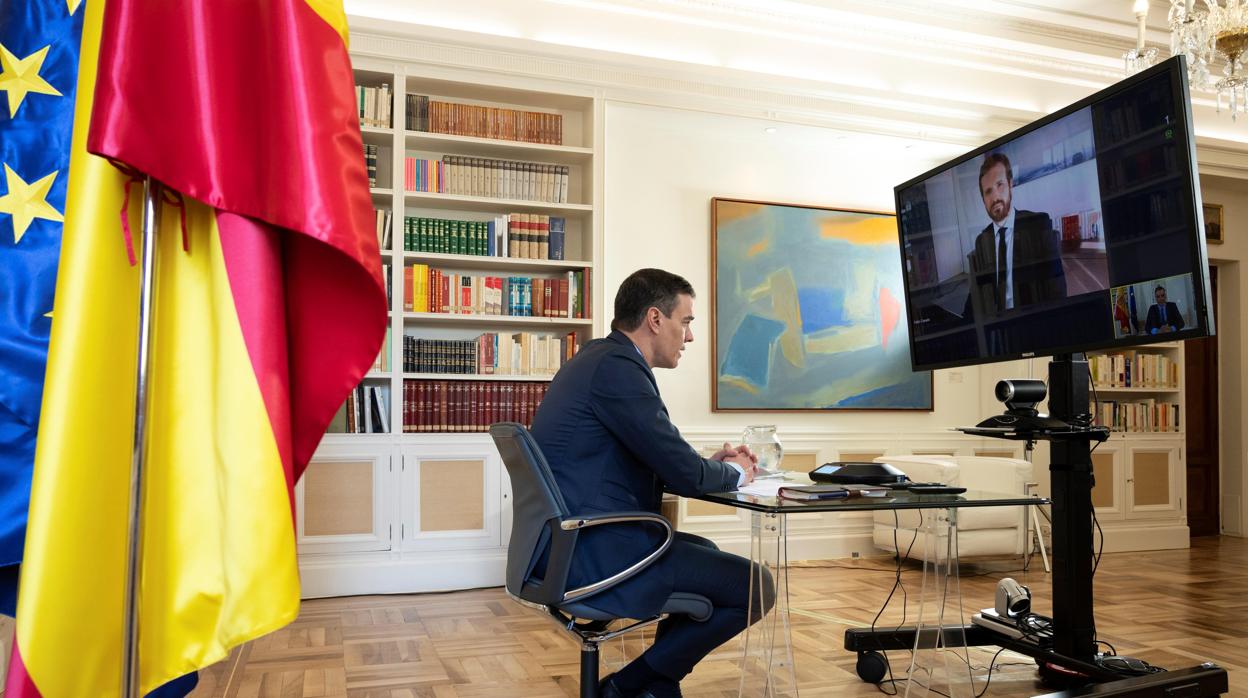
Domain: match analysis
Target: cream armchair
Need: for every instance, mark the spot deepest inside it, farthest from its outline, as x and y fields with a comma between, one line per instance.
x=982, y=531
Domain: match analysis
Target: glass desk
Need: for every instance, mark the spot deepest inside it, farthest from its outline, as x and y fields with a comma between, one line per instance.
x=767, y=656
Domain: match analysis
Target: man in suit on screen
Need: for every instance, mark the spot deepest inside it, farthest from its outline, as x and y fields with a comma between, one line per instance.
x=610, y=444
x=1017, y=259
x=1163, y=316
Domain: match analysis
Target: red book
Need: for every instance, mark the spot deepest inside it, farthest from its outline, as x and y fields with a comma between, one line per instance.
x=465, y=407
x=407, y=287
x=491, y=405
x=407, y=406
x=429, y=405
x=413, y=405
x=441, y=392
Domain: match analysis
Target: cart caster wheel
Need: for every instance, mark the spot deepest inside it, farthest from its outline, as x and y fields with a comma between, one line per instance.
x=872, y=666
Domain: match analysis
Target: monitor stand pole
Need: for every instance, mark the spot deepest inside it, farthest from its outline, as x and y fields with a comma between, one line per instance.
x=1070, y=472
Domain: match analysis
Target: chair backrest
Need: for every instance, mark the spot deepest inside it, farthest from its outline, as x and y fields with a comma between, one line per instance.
x=537, y=510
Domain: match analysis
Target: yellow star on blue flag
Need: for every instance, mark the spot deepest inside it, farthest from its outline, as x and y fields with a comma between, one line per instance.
x=20, y=76
x=39, y=42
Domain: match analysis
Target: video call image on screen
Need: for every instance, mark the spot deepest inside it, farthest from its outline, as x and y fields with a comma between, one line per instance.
x=1026, y=246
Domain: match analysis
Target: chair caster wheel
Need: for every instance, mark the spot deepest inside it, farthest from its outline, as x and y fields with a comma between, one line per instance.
x=872, y=666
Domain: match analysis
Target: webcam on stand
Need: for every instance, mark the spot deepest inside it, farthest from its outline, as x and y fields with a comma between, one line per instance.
x=1021, y=395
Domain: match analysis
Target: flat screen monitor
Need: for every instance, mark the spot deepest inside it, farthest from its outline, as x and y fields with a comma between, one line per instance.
x=1080, y=231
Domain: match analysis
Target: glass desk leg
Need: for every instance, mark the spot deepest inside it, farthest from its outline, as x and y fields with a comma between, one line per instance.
x=767, y=648
x=940, y=661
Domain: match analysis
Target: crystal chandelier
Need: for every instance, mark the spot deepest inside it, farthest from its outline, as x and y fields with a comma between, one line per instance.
x=1216, y=31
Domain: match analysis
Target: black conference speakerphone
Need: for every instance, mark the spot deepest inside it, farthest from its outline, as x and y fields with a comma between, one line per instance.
x=851, y=473
x=881, y=474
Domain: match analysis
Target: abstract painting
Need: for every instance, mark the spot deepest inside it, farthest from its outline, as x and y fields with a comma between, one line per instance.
x=808, y=311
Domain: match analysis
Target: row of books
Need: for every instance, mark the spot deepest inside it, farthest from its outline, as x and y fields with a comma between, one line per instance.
x=382, y=362
x=374, y=104
x=492, y=353
x=385, y=278
x=1138, y=370
x=499, y=179
x=427, y=290
x=468, y=406
x=366, y=411
x=438, y=116
x=382, y=226
x=1125, y=119
x=370, y=163
x=1137, y=416
x=1135, y=168
x=525, y=235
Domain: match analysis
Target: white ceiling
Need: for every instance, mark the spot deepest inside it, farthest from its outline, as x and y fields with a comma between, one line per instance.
x=968, y=69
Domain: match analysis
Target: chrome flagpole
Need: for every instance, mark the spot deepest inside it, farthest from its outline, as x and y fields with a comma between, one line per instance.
x=134, y=551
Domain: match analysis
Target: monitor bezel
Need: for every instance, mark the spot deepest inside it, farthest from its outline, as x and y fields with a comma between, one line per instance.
x=1176, y=67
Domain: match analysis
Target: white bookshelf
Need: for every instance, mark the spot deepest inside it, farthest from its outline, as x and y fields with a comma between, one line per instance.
x=381, y=513
x=1141, y=486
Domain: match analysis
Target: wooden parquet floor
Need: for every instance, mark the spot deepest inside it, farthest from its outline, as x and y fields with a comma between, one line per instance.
x=1170, y=608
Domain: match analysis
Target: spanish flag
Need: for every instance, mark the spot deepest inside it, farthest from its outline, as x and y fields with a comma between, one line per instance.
x=268, y=309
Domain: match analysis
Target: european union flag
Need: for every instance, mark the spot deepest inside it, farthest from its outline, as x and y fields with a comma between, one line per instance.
x=39, y=42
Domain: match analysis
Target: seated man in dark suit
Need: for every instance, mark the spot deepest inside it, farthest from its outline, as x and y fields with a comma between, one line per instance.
x=611, y=446
x=1017, y=258
x=1162, y=315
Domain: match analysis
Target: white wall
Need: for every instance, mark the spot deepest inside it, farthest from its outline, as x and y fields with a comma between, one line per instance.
x=664, y=165
x=1232, y=329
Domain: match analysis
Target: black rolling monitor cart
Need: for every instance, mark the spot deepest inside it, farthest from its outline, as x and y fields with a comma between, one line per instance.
x=1074, y=628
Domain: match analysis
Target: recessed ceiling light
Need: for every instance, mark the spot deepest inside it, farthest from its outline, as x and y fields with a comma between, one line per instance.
x=769, y=129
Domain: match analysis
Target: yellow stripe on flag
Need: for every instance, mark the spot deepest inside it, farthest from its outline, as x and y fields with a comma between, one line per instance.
x=219, y=556
x=334, y=15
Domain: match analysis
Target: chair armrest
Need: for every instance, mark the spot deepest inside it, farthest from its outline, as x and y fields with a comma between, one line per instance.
x=1005, y=475
x=617, y=517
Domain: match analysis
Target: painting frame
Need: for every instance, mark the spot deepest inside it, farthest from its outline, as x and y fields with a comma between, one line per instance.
x=1212, y=214
x=718, y=270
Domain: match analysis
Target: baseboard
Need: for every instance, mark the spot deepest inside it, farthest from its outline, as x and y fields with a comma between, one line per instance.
x=1129, y=538
x=353, y=575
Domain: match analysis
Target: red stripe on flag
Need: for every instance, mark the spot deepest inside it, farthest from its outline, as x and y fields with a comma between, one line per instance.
x=253, y=262
x=249, y=107
x=18, y=683
x=269, y=305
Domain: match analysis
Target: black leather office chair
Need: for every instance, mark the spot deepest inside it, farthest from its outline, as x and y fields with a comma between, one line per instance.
x=538, y=515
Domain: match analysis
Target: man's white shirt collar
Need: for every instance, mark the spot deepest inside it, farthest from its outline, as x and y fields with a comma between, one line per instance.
x=1008, y=223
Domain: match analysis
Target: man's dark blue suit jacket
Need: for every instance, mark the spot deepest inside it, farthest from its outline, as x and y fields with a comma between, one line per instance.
x=606, y=434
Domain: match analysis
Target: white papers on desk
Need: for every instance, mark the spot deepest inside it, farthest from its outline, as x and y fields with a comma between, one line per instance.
x=769, y=487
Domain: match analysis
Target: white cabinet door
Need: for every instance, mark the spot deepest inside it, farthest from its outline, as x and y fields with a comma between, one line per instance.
x=344, y=500
x=452, y=496
x=1154, y=488
x=1108, y=497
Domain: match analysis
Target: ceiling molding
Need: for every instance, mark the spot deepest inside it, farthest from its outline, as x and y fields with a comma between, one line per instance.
x=1115, y=35
x=719, y=90
x=849, y=99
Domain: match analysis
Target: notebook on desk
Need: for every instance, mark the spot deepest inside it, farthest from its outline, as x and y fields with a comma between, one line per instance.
x=817, y=492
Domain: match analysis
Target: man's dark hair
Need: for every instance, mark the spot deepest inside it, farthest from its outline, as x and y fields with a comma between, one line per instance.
x=991, y=160
x=1159, y=288
x=645, y=289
